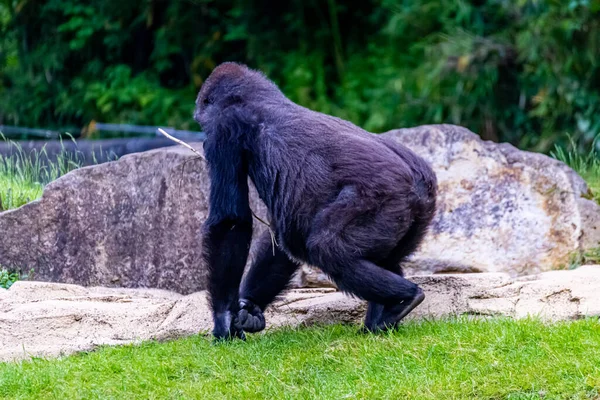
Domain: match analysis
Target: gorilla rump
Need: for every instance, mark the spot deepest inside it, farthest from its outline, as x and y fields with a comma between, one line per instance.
x=339, y=198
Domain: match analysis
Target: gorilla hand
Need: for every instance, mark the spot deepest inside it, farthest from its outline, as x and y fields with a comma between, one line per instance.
x=250, y=317
x=227, y=327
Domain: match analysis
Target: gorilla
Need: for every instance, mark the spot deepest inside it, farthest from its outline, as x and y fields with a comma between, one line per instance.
x=349, y=202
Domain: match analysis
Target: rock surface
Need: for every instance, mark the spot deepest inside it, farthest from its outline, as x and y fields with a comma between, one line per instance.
x=131, y=223
x=136, y=222
x=500, y=209
x=51, y=319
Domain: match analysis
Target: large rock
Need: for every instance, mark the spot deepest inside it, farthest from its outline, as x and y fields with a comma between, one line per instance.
x=50, y=319
x=136, y=222
x=132, y=223
x=500, y=209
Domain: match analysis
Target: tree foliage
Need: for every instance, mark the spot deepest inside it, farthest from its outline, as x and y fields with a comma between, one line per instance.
x=524, y=71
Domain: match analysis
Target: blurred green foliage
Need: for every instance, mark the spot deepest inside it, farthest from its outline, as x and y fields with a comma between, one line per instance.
x=521, y=71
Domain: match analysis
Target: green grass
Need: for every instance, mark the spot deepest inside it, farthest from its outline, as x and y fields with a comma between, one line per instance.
x=454, y=359
x=14, y=192
x=585, y=164
x=22, y=177
x=593, y=180
x=586, y=257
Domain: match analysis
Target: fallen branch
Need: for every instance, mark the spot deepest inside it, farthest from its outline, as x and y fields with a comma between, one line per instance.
x=181, y=142
x=273, y=240
x=187, y=146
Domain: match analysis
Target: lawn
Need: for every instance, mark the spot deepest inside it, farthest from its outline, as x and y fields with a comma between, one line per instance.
x=453, y=359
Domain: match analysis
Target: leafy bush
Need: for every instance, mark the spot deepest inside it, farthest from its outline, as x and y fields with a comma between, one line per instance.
x=519, y=71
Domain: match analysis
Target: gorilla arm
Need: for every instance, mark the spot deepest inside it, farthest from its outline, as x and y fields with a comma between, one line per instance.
x=227, y=231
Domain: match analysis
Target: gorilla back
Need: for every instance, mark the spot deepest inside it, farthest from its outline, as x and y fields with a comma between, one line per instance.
x=347, y=201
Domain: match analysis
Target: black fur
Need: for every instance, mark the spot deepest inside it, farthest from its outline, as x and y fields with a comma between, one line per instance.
x=349, y=202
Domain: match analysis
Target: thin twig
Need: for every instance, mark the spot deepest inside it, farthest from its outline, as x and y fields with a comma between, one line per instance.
x=181, y=142
x=261, y=220
x=187, y=146
x=273, y=240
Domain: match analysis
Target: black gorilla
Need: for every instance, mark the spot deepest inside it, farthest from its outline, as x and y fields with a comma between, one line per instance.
x=340, y=198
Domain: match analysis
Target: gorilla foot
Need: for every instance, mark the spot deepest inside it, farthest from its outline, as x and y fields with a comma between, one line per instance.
x=250, y=317
x=393, y=315
x=390, y=317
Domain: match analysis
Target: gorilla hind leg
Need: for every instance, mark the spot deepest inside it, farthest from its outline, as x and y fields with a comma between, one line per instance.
x=374, y=313
x=381, y=317
x=393, y=314
x=386, y=316
x=407, y=245
x=267, y=277
x=391, y=295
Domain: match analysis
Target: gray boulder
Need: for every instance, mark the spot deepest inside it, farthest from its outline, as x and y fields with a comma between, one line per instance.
x=136, y=222
x=131, y=223
x=500, y=209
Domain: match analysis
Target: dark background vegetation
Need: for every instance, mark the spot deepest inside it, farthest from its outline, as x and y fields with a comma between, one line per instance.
x=521, y=71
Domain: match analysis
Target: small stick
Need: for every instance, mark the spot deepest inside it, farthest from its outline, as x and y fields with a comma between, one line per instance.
x=187, y=146
x=273, y=240
x=260, y=219
x=181, y=142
